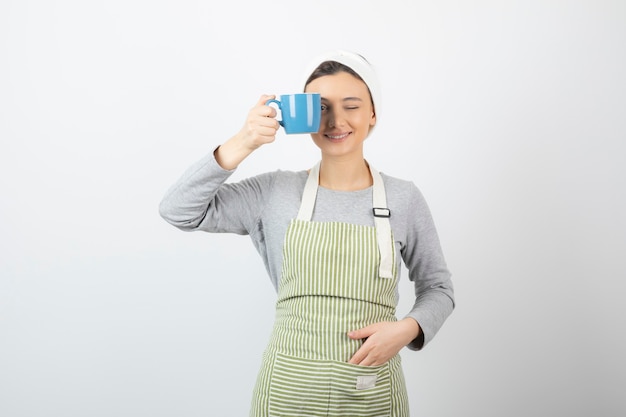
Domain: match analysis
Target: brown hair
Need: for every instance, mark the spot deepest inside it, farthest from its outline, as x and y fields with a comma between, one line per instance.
x=330, y=68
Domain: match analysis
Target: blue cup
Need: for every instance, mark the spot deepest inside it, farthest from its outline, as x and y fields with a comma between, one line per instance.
x=301, y=112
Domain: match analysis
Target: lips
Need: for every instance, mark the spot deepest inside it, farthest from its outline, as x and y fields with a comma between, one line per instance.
x=337, y=136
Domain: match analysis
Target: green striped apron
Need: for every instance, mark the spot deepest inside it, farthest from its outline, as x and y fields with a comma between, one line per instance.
x=336, y=277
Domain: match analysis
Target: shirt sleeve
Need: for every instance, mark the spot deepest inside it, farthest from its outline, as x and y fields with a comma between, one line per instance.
x=423, y=256
x=202, y=200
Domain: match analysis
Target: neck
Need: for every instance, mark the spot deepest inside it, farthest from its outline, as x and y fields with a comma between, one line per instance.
x=345, y=175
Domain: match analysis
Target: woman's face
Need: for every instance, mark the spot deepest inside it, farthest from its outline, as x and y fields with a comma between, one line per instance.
x=347, y=114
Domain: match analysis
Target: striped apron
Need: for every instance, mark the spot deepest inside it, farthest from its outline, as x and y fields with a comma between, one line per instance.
x=336, y=277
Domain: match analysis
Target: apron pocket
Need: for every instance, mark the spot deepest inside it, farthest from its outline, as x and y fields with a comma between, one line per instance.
x=311, y=388
x=363, y=391
x=299, y=387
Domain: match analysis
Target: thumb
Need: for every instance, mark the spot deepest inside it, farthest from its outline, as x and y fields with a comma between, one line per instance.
x=363, y=332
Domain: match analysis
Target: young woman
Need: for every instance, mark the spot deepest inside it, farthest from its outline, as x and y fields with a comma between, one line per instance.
x=332, y=239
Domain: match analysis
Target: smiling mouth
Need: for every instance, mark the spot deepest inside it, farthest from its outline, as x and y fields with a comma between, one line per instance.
x=337, y=137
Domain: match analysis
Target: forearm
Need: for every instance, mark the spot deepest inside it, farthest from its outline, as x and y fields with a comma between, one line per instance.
x=430, y=312
x=185, y=203
x=232, y=153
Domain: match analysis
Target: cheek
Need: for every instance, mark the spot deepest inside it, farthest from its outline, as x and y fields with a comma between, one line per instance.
x=364, y=119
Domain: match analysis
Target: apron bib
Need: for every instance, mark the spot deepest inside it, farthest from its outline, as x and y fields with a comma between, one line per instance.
x=336, y=277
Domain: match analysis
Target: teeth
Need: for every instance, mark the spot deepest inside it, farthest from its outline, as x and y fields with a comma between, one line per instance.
x=338, y=137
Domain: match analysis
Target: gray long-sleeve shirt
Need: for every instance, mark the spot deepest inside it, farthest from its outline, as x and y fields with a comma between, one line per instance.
x=262, y=207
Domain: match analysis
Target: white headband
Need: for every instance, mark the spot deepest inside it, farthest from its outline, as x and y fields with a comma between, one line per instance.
x=359, y=65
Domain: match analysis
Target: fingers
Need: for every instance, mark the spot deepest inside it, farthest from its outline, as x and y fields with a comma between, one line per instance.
x=358, y=357
x=369, y=355
x=264, y=109
x=384, y=341
x=264, y=99
x=364, y=332
x=261, y=125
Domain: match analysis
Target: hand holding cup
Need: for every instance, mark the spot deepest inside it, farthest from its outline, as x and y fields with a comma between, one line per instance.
x=261, y=125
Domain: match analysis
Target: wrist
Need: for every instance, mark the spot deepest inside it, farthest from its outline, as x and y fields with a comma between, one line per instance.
x=413, y=329
x=230, y=154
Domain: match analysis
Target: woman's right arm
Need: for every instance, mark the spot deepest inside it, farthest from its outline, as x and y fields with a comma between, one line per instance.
x=200, y=200
x=260, y=128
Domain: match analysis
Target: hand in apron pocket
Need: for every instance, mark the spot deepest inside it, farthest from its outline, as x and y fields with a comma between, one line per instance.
x=303, y=387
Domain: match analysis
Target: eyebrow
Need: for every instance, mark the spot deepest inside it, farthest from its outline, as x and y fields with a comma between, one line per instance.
x=346, y=99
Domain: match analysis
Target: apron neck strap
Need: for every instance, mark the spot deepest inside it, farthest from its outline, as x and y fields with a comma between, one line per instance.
x=383, y=227
x=379, y=209
x=309, y=194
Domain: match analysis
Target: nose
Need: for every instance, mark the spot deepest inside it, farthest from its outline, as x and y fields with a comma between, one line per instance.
x=333, y=119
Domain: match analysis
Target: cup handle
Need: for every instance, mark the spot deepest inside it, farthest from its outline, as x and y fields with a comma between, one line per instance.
x=268, y=102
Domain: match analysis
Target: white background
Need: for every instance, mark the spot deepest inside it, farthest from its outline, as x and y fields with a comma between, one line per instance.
x=509, y=116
